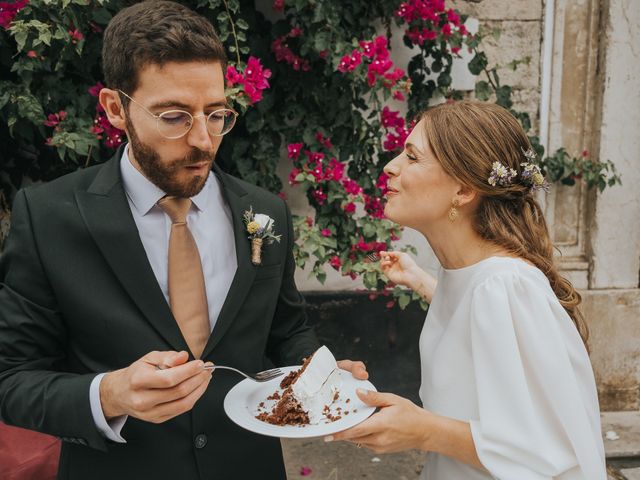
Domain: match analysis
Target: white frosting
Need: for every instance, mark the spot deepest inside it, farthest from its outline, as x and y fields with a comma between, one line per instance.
x=317, y=385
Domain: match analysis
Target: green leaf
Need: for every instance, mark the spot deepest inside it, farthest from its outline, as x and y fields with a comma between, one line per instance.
x=240, y=23
x=483, y=90
x=101, y=16
x=478, y=63
x=403, y=301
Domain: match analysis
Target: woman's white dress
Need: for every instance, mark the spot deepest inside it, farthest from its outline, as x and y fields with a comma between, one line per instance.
x=499, y=351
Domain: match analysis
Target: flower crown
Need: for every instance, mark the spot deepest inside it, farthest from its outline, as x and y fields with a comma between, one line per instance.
x=531, y=174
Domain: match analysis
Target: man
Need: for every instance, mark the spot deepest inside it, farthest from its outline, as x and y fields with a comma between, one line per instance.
x=140, y=268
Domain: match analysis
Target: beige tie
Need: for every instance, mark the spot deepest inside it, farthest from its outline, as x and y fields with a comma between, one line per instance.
x=187, y=294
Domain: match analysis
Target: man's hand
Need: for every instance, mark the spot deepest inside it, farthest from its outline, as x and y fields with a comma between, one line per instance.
x=156, y=388
x=357, y=369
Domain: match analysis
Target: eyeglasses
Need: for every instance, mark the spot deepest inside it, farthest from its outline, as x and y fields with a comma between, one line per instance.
x=174, y=124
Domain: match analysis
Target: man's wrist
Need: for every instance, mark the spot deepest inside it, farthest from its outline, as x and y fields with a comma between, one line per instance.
x=107, y=399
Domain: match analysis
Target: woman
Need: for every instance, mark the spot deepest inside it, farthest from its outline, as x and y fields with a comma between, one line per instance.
x=507, y=387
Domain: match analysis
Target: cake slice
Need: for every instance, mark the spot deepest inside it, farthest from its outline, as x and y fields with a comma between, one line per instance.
x=308, y=392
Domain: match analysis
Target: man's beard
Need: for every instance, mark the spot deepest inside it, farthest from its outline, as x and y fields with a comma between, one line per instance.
x=163, y=175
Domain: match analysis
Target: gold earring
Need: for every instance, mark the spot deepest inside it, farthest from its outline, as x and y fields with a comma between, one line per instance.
x=453, y=211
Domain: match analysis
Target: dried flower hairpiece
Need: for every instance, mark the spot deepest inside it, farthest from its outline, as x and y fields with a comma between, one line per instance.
x=501, y=175
x=531, y=175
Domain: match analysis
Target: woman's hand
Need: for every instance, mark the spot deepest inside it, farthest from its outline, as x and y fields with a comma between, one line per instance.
x=399, y=425
x=400, y=268
x=402, y=425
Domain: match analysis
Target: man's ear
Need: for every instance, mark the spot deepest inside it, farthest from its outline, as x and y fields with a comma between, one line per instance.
x=110, y=101
x=465, y=195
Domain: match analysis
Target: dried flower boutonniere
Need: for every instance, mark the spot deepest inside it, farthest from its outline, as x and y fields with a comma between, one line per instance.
x=260, y=229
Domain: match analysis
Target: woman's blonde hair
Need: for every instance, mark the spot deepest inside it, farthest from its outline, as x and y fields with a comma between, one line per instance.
x=467, y=138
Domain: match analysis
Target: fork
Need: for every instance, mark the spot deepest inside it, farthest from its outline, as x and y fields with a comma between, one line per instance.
x=263, y=376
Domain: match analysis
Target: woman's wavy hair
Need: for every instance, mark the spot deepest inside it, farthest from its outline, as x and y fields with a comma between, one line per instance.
x=467, y=138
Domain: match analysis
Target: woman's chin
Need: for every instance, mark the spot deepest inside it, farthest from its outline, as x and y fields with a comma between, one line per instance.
x=391, y=214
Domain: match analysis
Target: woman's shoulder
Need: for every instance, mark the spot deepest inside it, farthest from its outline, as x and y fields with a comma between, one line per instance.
x=508, y=272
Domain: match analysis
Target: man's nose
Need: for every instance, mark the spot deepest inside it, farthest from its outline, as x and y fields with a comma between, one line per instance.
x=199, y=136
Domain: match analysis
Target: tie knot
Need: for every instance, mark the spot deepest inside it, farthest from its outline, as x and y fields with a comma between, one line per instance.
x=176, y=207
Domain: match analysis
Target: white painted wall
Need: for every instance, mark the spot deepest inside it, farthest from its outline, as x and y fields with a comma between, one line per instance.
x=615, y=233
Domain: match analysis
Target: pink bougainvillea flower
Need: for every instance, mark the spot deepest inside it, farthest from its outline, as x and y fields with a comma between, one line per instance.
x=95, y=90
x=292, y=176
x=319, y=196
x=334, y=171
x=453, y=17
x=294, y=150
x=309, y=221
x=382, y=183
x=325, y=141
x=76, y=35
x=256, y=74
x=284, y=54
x=446, y=30
x=53, y=119
x=391, y=119
x=9, y=10
x=314, y=156
x=363, y=246
x=295, y=32
x=325, y=232
x=335, y=262
x=32, y=54
x=350, y=62
x=254, y=80
x=278, y=5
x=351, y=186
x=350, y=208
x=233, y=76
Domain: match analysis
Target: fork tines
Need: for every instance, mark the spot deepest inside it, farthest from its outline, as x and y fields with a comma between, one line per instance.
x=267, y=374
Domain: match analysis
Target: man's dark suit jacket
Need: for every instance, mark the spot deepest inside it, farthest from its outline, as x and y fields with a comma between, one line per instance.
x=78, y=296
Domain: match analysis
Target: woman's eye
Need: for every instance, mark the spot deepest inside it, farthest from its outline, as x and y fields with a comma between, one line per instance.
x=411, y=157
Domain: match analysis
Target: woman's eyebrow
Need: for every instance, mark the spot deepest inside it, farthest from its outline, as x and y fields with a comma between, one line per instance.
x=411, y=146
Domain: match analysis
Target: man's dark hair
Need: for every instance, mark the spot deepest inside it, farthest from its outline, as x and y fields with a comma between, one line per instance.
x=155, y=32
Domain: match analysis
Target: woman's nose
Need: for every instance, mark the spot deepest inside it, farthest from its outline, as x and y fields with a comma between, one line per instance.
x=392, y=168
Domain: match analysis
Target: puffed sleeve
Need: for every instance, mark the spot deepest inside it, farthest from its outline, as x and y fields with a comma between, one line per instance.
x=538, y=407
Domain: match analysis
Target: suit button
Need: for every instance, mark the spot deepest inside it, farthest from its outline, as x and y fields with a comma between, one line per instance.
x=201, y=440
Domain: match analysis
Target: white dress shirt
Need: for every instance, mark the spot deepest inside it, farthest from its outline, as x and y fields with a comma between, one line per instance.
x=211, y=225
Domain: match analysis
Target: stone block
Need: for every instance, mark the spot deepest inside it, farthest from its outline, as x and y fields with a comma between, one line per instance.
x=631, y=473
x=612, y=317
x=500, y=9
x=623, y=441
x=517, y=41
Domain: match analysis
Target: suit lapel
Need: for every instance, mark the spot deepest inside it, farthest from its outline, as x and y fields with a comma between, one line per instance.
x=239, y=202
x=107, y=215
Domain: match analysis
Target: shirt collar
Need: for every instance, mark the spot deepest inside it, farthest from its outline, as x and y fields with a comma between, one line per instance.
x=144, y=194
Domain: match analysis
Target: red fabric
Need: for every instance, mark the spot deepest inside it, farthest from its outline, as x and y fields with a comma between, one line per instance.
x=27, y=455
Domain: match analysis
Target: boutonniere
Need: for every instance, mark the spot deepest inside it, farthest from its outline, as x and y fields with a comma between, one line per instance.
x=260, y=229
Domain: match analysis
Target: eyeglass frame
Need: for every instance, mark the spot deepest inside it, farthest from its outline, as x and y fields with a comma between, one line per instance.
x=193, y=117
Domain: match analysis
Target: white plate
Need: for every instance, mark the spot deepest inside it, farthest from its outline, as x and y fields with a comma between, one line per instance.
x=241, y=406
